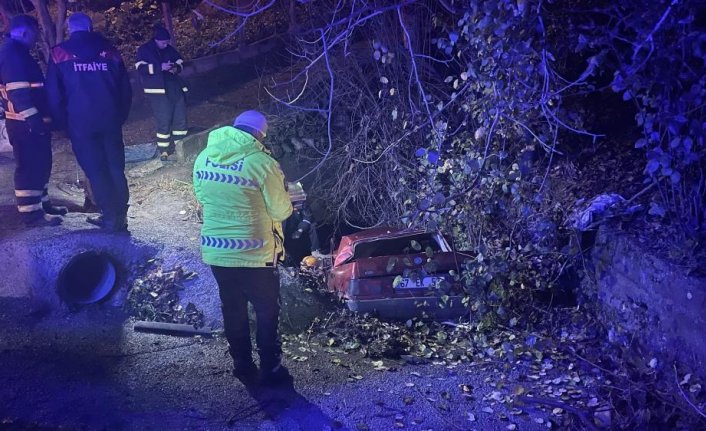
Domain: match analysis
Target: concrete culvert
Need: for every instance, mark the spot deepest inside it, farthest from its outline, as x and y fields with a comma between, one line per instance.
x=87, y=278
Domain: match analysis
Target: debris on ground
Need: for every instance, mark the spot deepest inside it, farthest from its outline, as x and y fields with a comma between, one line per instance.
x=154, y=297
x=170, y=328
x=562, y=368
x=606, y=206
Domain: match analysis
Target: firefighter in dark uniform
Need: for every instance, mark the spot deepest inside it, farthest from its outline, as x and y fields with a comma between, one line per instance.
x=158, y=64
x=90, y=95
x=27, y=120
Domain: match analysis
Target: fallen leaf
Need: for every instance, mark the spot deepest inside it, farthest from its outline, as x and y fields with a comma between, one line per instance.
x=686, y=379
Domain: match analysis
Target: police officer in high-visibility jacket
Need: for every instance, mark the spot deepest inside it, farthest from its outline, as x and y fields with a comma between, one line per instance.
x=90, y=95
x=158, y=64
x=26, y=117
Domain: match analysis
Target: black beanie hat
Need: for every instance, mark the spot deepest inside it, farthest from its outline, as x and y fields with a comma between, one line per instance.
x=23, y=21
x=161, y=33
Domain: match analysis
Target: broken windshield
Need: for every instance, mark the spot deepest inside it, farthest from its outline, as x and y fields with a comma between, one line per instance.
x=394, y=246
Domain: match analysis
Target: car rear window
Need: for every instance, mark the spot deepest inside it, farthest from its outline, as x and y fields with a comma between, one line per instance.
x=394, y=246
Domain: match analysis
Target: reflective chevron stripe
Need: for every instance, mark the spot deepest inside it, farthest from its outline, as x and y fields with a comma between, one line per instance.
x=235, y=244
x=226, y=178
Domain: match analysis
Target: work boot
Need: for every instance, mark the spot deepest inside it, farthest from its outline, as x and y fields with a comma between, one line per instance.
x=95, y=220
x=275, y=376
x=41, y=219
x=54, y=210
x=245, y=370
x=119, y=225
x=164, y=156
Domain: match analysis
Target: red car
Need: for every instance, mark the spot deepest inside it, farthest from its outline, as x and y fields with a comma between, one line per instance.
x=398, y=274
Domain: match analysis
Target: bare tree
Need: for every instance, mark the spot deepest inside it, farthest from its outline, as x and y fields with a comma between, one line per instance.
x=167, y=18
x=52, y=27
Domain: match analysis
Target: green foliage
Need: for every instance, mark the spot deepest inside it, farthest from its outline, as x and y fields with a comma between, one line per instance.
x=468, y=118
x=661, y=72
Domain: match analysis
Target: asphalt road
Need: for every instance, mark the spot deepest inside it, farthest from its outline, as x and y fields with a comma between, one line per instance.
x=90, y=370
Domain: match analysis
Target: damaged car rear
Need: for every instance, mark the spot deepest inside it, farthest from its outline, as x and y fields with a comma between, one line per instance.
x=398, y=274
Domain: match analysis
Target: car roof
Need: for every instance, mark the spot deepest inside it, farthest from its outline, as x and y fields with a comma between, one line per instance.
x=379, y=232
x=345, y=247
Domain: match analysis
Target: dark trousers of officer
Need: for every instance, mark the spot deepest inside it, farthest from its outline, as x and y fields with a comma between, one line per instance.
x=170, y=117
x=33, y=160
x=260, y=287
x=101, y=155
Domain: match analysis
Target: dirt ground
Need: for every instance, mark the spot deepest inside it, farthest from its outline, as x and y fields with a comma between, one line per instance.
x=88, y=369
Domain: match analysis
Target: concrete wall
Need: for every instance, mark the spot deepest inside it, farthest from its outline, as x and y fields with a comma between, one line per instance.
x=33, y=259
x=206, y=64
x=650, y=301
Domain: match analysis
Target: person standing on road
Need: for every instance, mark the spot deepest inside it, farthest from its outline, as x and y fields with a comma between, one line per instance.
x=90, y=95
x=27, y=118
x=158, y=64
x=242, y=192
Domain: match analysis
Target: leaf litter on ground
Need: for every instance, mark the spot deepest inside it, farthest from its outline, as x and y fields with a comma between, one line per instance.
x=154, y=296
x=557, y=372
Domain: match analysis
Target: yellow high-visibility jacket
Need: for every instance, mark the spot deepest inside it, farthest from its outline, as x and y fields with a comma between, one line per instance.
x=242, y=192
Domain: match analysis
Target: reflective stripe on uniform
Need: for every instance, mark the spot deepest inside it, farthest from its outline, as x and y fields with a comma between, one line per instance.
x=140, y=63
x=29, y=208
x=163, y=135
x=22, y=84
x=162, y=144
x=28, y=193
x=179, y=132
x=232, y=243
x=226, y=178
x=20, y=116
x=150, y=69
x=155, y=91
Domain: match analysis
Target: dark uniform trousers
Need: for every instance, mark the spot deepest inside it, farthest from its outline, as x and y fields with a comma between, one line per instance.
x=260, y=287
x=33, y=161
x=170, y=115
x=101, y=155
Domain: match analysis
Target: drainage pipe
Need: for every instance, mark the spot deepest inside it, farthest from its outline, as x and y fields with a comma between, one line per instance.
x=87, y=278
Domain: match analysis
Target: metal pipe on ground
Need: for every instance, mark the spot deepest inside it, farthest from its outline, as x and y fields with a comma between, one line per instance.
x=170, y=328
